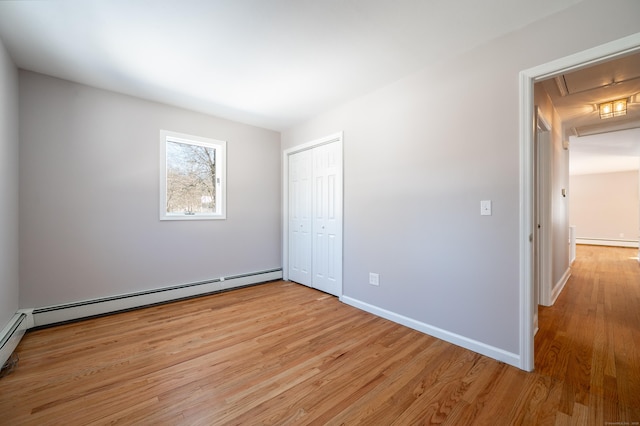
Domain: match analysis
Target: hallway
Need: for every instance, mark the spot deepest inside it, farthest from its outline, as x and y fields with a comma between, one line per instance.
x=589, y=341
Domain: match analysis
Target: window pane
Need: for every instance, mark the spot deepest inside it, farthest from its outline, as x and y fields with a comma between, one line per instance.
x=191, y=179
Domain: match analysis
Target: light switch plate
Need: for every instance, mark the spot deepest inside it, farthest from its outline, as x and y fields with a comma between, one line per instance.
x=374, y=279
x=485, y=208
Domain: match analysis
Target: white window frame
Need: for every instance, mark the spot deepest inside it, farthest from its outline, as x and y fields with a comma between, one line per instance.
x=221, y=175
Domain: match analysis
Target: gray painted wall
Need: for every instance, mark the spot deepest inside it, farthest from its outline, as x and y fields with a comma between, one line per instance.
x=420, y=154
x=8, y=187
x=89, y=164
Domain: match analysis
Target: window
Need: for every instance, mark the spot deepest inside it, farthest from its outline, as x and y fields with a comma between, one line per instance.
x=192, y=177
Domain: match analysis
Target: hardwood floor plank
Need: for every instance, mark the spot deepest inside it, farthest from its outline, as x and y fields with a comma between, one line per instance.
x=345, y=388
x=285, y=354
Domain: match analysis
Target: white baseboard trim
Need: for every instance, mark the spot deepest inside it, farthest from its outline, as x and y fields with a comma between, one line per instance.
x=456, y=339
x=557, y=289
x=95, y=307
x=605, y=242
x=12, y=333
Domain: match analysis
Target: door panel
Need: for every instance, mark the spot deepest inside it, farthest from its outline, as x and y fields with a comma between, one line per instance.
x=300, y=217
x=327, y=224
x=315, y=217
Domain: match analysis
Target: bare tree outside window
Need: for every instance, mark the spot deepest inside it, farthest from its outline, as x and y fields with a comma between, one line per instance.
x=191, y=178
x=191, y=182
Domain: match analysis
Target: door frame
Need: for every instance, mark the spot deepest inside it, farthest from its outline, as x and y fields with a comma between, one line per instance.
x=527, y=78
x=543, y=213
x=333, y=138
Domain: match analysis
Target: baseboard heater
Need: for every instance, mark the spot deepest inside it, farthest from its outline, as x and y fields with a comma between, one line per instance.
x=10, y=336
x=95, y=307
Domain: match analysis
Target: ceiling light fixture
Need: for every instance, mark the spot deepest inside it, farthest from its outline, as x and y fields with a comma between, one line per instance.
x=613, y=108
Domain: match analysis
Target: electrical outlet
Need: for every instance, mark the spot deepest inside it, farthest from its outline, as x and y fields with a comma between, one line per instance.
x=374, y=279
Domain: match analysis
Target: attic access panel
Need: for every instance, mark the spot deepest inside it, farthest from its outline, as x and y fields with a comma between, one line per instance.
x=605, y=74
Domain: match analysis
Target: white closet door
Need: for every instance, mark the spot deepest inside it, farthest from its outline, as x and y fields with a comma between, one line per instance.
x=300, y=217
x=327, y=218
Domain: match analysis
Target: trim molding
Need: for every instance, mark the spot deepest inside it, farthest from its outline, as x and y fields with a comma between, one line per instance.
x=605, y=242
x=544, y=235
x=456, y=339
x=557, y=289
x=12, y=333
x=108, y=305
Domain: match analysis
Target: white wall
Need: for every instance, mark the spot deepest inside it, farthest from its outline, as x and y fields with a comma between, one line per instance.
x=559, y=207
x=89, y=164
x=8, y=187
x=420, y=154
x=606, y=206
x=559, y=204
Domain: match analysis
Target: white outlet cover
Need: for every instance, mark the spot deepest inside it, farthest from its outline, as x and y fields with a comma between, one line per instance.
x=374, y=279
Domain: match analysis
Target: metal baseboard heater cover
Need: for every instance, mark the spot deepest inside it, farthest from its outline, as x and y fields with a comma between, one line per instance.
x=10, y=336
x=95, y=307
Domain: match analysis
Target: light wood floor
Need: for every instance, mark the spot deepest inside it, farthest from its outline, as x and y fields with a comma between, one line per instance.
x=281, y=353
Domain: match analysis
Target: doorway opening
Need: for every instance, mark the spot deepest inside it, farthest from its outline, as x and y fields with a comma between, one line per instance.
x=528, y=78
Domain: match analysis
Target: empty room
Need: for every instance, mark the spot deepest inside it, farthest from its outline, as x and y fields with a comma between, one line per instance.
x=318, y=212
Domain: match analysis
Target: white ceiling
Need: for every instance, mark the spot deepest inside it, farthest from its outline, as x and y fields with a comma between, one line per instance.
x=605, y=152
x=271, y=63
x=584, y=89
x=597, y=145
